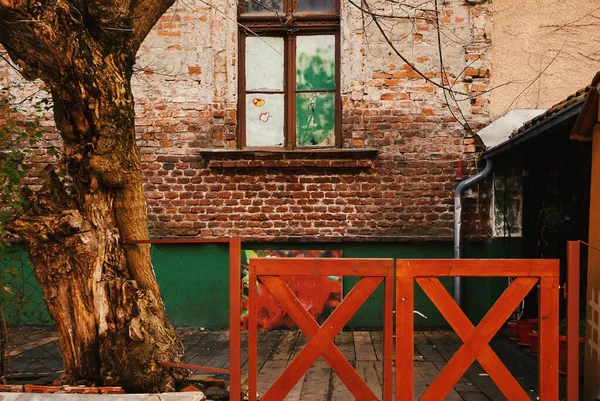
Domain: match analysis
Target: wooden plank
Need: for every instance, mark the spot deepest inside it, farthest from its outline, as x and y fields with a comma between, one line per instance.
x=474, y=396
x=377, y=340
x=429, y=372
x=295, y=392
x=573, y=262
x=322, y=267
x=345, y=343
x=388, y=334
x=222, y=353
x=420, y=384
x=316, y=382
x=479, y=267
x=591, y=361
x=368, y=371
x=252, y=334
x=548, y=353
x=200, y=352
x=300, y=343
x=379, y=369
x=191, y=339
x=243, y=349
x=19, y=337
x=31, y=344
x=268, y=375
x=194, y=240
x=405, y=305
x=235, y=353
x=426, y=348
x=268, y=342
x=338, y=390
x=285, y=346
x=364, y=346
x=463, y=383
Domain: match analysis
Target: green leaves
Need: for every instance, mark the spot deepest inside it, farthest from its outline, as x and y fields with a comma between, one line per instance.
x=20, y=133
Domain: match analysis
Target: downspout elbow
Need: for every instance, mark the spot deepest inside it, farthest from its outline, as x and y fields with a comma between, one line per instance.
x=458, y=219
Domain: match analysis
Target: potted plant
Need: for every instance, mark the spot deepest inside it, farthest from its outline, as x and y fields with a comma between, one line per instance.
x=513, y=330
x=524, y=326
x=562, y=342
x=534, y=341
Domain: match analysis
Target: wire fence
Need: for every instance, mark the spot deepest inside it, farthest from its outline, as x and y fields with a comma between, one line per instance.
x=29, y=348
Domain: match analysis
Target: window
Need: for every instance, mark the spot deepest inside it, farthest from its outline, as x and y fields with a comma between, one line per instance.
x=289, y=73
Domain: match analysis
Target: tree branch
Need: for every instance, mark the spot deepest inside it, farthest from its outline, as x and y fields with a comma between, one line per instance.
x=145, y=14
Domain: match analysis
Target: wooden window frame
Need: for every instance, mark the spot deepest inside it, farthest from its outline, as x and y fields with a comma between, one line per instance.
x=289, y=25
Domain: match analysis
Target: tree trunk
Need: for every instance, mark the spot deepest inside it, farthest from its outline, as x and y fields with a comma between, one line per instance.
x=102, y=293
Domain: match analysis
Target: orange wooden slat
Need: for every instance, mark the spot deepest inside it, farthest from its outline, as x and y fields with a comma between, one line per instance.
x=322, y=267
x=405, y=305
x=573, y=263
x=252, y=333
x=193, y=240
x=480, y=267
x=478, y=338
x=548, y=354
x=320, y=338
x=194, y=367
x=235, y=309
x=388, y=332
x=497, y=371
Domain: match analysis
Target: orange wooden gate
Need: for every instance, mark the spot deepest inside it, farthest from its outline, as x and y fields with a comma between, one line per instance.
x=476, y=339
x=373, y=273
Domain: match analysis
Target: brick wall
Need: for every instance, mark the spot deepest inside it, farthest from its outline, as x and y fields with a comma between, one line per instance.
x=186, y=95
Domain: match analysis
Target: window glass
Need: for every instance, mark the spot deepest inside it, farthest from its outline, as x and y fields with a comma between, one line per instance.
x=315, y=119
x=315, y=5
x=264, y=6
x=315, y=62
x=264, y=63
x=264, y=119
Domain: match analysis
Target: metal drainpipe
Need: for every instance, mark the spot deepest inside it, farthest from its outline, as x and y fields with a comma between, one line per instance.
x=458, y=215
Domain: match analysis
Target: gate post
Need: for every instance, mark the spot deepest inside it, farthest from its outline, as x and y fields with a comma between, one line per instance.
x=405, y=301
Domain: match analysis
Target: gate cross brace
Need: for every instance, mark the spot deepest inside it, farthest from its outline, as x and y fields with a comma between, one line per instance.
x=476, y=339
x=320, y=338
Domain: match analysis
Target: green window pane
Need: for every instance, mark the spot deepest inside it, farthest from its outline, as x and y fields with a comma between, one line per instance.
x=264, y=6
x=315, y=119
x=315, y=6
x=264, y=119
x=264, y=63
x=315, y=62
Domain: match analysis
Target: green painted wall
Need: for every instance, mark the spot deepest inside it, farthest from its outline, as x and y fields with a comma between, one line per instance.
x=194, y=281
x=20, y=294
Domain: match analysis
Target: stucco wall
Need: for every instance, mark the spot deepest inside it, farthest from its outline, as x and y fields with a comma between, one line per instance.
x=542, y=51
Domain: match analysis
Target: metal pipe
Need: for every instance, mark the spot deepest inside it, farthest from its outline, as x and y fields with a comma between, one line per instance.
x=458, y=216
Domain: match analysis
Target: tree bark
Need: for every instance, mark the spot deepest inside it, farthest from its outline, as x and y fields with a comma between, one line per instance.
x=102, y=294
